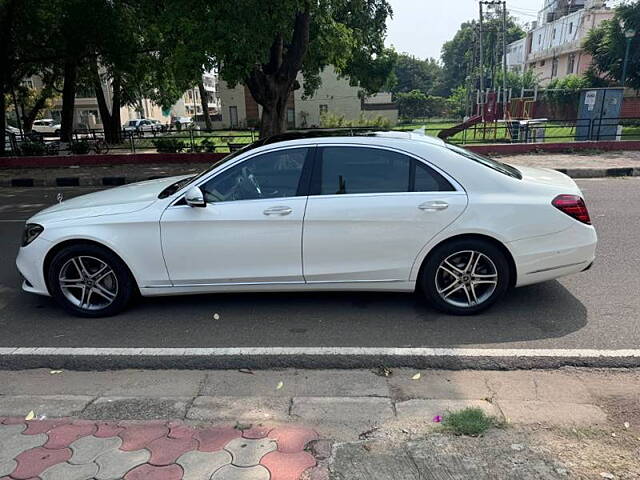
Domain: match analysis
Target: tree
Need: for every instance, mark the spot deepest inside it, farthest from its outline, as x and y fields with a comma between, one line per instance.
x=411, y=73
x=607, y=45
x=458, y=54
x=266, y=45
x=415, y=104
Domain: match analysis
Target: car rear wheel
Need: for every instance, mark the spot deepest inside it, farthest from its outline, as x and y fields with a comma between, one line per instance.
x=465, y=276
x=90, y=281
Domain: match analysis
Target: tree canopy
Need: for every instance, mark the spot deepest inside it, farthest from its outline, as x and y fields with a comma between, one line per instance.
x=411, y=73
x=607, y=45
x=458, y=54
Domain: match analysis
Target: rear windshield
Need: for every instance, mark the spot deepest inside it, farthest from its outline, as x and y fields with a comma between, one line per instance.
x=132, y=123
x=487, y=162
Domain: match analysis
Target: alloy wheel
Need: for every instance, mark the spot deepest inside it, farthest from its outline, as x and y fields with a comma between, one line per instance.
x=466, y=278
x=88, y=282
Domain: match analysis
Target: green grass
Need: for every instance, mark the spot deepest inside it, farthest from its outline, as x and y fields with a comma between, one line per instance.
x=470, y=421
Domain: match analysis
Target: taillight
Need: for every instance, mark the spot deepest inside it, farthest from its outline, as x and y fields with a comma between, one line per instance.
x=574, y=206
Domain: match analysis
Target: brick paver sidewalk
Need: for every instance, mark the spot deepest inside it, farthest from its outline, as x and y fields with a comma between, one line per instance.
x=68, y=449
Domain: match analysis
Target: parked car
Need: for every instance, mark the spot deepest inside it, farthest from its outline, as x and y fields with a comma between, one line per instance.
x=385, y=212
x=143, y=125
x=182, y=123
x=46, y=125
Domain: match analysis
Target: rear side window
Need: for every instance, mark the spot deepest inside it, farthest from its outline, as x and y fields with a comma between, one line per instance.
x=428, y=180
x=352, y=170
x=346, y=170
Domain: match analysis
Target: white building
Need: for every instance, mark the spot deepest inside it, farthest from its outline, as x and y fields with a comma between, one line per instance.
x=334, y=96
x=516, y=57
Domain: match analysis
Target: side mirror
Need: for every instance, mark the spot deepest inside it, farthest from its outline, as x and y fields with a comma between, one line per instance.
x=194, y=197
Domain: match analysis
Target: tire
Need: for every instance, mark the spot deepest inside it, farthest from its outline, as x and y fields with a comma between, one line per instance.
x=457, y=283
x=108, y=291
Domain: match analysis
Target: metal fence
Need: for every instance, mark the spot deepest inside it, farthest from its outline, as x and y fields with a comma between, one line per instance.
x=224, y=141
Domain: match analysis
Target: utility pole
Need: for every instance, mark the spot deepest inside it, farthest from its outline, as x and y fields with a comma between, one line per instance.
x=504, y=59
x=481, y=64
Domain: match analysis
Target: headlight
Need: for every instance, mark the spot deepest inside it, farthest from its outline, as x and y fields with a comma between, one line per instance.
x=31, y=232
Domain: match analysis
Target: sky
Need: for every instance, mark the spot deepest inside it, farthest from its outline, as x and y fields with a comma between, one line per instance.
x=420, y=27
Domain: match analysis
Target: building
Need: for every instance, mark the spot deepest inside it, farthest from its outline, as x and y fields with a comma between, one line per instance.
x=516, y=56
x=87, y=114
x=553, y=47
x=335, y=96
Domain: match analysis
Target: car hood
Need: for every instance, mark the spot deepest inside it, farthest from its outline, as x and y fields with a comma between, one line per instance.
x=125, y=199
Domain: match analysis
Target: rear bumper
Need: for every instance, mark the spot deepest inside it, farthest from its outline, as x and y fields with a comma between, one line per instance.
x=539, y=259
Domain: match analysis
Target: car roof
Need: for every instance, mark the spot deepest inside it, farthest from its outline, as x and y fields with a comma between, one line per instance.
x=324, y=136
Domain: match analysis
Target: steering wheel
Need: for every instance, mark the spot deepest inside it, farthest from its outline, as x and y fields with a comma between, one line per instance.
x=250, y=177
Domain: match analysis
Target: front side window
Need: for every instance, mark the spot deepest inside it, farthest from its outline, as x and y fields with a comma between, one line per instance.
x=269, y=175
x=348, y=170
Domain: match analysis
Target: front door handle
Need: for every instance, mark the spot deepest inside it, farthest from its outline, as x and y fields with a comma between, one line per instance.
x=279, y=210
x=433, y=206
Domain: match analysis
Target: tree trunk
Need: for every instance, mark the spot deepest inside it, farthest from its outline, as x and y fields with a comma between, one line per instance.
x=204, y=101
x=271, y=83
x=107, y=124
x=3, y=118
x=29, y=118
x=116, y=125
x=68, y=99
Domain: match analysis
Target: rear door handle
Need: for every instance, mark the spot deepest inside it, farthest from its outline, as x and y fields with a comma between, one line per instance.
x=433, y=206
x=279, y=210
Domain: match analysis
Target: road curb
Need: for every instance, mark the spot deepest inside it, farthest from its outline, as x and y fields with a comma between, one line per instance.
x=115, y=180
x=317, y=357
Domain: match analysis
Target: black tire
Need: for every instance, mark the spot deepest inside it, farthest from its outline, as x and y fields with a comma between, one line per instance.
x=476, y=290
x=92, y=254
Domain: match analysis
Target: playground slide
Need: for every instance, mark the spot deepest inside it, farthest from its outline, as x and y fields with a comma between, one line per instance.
x=450, y=132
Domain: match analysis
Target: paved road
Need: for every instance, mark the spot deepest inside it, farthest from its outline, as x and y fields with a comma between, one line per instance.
x=597, y=309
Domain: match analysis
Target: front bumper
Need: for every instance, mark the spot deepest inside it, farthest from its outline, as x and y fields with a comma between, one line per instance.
x=30, y=263
x=539, y=259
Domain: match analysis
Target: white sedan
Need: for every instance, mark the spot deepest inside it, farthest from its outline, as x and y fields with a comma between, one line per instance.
x=386, y=212
x=46, y=125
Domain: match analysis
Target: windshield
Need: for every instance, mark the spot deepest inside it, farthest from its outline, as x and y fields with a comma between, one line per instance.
x=132, y=123
x=174, y=187
x=487, y=162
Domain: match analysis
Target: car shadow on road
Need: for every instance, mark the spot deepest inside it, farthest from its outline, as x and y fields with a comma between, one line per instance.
x=539, y=312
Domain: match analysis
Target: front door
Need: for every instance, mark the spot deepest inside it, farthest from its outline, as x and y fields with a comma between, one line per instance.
x=370, y=212
x=250, y=232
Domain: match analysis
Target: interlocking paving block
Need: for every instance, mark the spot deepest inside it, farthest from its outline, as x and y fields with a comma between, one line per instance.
x=231, y=472
x=247, y=452
x=87, y=449
x=115, y=463
x=135, y=437
x=213, y=439
x=35, y=461
x=12, y=441
x=151, y=472
x=66, y=471
x=165, y=450
x=180, y=430
x=107, y=429
x=201, y=465
x=7, y=466
x=287, y=466
x=257, y=431
x=65, y=435
x=292, y=439
x=36, y=427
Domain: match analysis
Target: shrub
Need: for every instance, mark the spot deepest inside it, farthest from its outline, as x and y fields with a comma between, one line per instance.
x=168, y=145
x=80, y=147
x=332, y=120
x=31, y=148
x=469, y=421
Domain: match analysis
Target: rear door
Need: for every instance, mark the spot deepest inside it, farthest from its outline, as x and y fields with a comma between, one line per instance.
x=370, y=212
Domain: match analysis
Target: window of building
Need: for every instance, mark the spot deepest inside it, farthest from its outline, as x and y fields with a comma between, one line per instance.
x=28, y=83
x=571, y=63
x=570, y=28
x=324, y=109
x=554, y=68
x=291, y=118
x=554, y=33
x=539, y=39
x=270, y=175
x=543, y=63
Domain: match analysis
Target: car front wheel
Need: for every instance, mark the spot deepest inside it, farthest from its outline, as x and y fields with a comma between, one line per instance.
x=90, y=281
x=465, y=277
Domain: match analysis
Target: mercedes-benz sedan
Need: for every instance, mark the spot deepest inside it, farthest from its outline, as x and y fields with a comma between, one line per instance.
x=385, y=212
